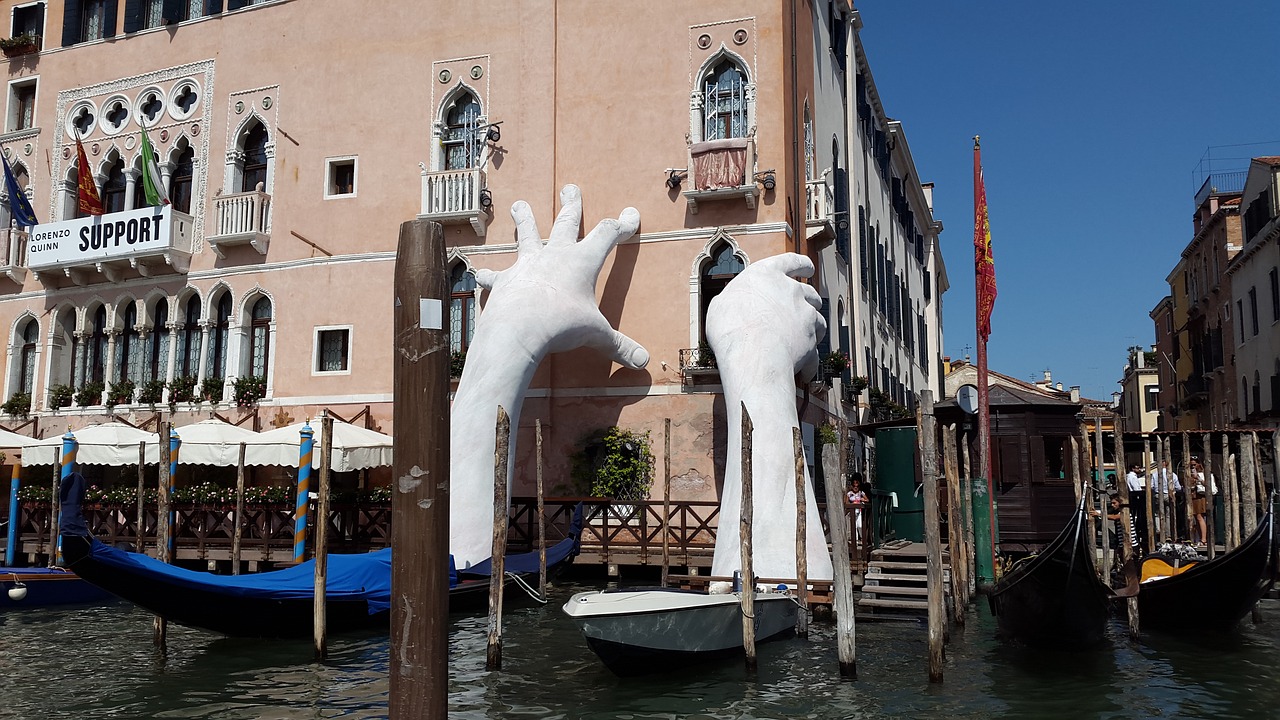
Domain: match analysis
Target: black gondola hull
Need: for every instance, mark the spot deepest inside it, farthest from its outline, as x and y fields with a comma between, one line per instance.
x=1212, y=596
x=1055, y=599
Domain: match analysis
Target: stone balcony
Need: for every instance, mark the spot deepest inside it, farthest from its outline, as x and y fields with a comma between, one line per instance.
x=456, y=196
x=13, y=254
x=147, y=242
x=722, y=170
x=241, y=219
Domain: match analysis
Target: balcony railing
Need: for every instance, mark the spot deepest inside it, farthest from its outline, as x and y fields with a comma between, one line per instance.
x=242, y=219
x=145, y=242
x=820, y=201
x=455, y=196
x=697, y=361
x=13, y=246
x=722, y=169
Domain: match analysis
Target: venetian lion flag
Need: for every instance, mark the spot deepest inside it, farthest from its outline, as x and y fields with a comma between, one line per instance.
x=152, y=183
x=90, y=203
x=983, y=262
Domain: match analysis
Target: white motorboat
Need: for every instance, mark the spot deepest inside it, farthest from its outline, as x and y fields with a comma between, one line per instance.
x=643, y=630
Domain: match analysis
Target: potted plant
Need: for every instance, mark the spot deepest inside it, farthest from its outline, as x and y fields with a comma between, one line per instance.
x=18, y=406
x=617, y=464
x=121, y=392
x=182, y=389
x=835, y=362
x=828, y=434
x=60, y=396
x=152, y=392
x=857, y=384
x=248, y=390
x=90, y=393
x=211, y=389
x=706, y=356
x=20, y=45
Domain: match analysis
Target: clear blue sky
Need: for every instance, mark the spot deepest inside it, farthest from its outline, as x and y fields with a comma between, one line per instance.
x=1094, y=117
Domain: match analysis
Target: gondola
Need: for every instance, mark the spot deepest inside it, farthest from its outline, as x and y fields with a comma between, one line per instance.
x=23, y=588
x=1209, y=596
x=1054, y=599
x=277, y=603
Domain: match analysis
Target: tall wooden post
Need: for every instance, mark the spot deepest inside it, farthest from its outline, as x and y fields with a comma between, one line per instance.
x=666, y=500
x=1098, y=479
x=1258, y=474
x=745, y=520
x=971, y=551
x=139, y=545
x=1248, y=487
x=237, y=534
x=955, y=545
x=1233, y=478
x=1210, y=489
x=1156, y=487
x=320, y=629
x=1146, y=494
x=419, y=672
x=802, y=549
x=932, y=534
x=542, y=517
x=1126, y=516
x=164, y=548
x=497, y=572
x=1188, y=486
x=1230, y=511
x=843, y=579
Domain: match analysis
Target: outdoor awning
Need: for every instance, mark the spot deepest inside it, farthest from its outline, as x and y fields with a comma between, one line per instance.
x=113, y=443
x=12, y=439
x=354, y=447
x=212, y=442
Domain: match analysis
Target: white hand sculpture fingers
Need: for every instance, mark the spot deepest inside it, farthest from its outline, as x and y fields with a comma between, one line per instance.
x=569, y=221
x=620, y=348
x=610, y=232
x=528, y=241
x=809, y=366
x=485, y=278
x=791, y=264
x=810, y=295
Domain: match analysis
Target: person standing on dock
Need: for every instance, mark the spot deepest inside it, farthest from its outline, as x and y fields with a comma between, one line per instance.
x=1137, y=484
x=1166, y=480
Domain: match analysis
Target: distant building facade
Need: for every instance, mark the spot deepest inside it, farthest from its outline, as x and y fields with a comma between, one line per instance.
x=1140, y=391
x=1255, y=296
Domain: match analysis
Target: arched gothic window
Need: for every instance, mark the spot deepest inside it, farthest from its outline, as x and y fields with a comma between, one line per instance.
x=218, y=336
x=182, y=181
x=27, y=356
x=188, y=359
x=462, y=308
x=724, y=102
x=97, y=350
x=158, y=343
x=255, y=159
x=128, y=347
x=260, y=338
x=716, y=274
x=113, y=190
x=460, y=137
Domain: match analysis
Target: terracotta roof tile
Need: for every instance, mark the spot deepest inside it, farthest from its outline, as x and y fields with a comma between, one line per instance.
x=1272, y=160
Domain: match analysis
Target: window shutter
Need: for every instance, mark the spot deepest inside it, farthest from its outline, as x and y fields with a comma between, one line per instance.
x=212, y=7
x=109, y=22
x=824, y=345
x=132, y=16
x=236, y=4
x=174, y=11
x=71, y=19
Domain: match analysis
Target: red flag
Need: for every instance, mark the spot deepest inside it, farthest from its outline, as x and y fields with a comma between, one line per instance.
x=983, y=263
x=89, y=201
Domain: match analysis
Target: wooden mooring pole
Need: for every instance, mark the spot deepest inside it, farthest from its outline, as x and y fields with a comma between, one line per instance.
x=140, y=545
x=164, y=548
x=497, y=571
x=802, y=549
x=1210, y=489
x=748, y=588
x=419, y=647
x=1150, y=531
x=970, y=550
x=1248, y=487
x=666, y=501
x=955, y=545
x=932, y=533
x=1188, y=486
x=1126, y=515
x=320, y=629
x=542, y=517
x=237, y=535
x=843, y=570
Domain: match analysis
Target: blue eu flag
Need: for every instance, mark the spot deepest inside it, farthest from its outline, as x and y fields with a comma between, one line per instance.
x=19, y=206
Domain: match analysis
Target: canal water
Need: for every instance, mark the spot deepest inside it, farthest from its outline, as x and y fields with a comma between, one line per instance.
x=98, y=662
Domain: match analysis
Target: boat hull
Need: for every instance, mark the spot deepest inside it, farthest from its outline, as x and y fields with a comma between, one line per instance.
x=47, y=586
x=1212, y=596
x=1054, y=599
x=656, y=629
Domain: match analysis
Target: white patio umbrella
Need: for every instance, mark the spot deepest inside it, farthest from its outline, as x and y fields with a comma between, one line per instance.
x=113, y=443
x=354, y=447
x=213, y=442
x=12, y=439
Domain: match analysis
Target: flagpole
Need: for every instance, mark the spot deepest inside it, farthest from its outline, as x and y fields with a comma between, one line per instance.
x=984, y=409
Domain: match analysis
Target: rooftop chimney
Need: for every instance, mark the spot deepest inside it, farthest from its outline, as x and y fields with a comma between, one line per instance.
x=1059, y=387
x=1075, y=393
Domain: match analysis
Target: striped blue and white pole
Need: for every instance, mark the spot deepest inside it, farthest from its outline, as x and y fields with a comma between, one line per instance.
x=304, y=493
x=68, y=466
x=11, y=547
x=175, y=444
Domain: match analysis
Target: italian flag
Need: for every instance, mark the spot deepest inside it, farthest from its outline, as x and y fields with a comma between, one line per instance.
x=152, y=184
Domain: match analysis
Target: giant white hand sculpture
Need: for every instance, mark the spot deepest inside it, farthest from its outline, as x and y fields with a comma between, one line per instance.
x=764, y=328
x=544, y=303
